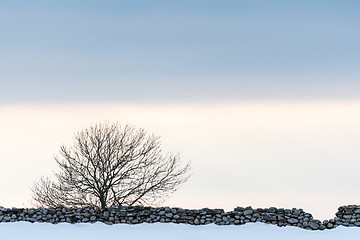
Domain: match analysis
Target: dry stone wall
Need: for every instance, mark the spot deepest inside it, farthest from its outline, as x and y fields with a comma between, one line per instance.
x=346, y=216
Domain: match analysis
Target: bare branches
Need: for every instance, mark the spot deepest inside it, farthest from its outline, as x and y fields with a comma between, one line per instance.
x=110, y=164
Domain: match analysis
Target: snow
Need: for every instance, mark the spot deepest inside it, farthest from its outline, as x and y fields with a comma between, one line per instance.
x=158, y=231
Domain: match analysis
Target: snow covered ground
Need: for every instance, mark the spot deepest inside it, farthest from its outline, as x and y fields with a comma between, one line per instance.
x=168, y=231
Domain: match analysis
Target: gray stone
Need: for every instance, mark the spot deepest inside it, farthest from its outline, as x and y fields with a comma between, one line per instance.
x=346, y=216
x=248, y=212
x=297, y=212
x=293, y=220
x=357, y=211
x=329, y=225
x=106, y=214
x=314, y=225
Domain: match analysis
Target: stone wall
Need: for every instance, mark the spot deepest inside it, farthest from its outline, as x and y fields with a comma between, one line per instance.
x=346, y=216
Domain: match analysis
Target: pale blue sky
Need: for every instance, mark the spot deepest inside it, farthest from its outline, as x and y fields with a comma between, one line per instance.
x=141, y=51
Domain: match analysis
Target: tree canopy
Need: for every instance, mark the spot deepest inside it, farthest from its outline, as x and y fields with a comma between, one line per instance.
x=110, y=164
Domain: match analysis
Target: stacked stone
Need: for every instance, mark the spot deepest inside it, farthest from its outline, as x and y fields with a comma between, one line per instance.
x=111, y=215
x=281, y=217
x=346, y=216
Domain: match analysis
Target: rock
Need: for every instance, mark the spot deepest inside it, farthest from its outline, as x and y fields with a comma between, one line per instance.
x=248, y=212
x=239, y=209
x=297, y=212
x=357, y=211
x=329, y=225
x=346, y=216
x=106, y=214
x=3, y=209
x=293, y=220
x=314, y=225
x=269, y=218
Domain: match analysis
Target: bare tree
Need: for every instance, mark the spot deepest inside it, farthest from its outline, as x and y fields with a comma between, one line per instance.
x=109, y=164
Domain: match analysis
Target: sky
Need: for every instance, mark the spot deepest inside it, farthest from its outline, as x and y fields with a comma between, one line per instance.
x=261, y=96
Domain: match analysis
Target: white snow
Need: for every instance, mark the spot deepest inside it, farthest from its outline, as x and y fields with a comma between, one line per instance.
x=168, y=231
